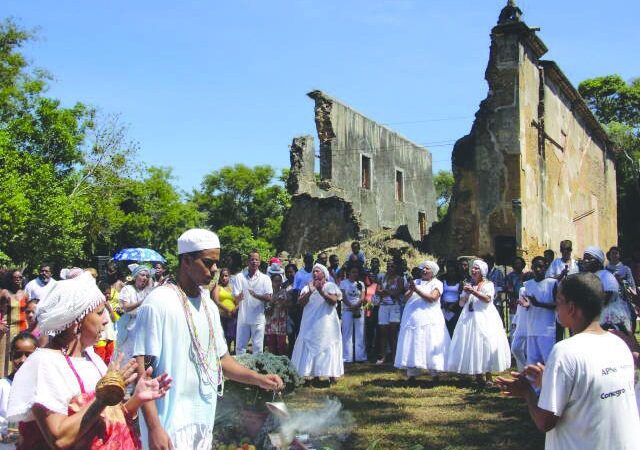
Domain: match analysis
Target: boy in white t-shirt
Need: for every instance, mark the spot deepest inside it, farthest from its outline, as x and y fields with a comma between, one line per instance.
x=587, y=398
x=539, y=299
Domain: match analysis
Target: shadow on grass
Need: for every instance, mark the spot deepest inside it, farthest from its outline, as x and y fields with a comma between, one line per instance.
x=387, y=409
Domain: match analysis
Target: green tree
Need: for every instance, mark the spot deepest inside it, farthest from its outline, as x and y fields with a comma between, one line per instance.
x=616, y=104
x=246, y=198
x=35, y=123
x=443, y=182
x=154, y=214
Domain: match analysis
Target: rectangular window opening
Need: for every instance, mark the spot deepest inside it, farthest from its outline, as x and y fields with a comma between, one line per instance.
x=365, y=172
x=399, y=186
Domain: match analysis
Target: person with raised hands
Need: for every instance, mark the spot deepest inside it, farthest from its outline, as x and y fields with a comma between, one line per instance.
x=318, y=349
x=64, y=396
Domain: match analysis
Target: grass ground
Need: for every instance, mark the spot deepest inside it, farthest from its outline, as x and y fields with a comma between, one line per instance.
x=453, y=414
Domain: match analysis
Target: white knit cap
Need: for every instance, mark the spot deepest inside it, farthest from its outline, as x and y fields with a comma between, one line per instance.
x=197, y=239
x=596, y=252
x=68, y=301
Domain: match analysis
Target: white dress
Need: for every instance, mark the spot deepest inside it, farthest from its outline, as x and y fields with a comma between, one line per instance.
x=423, y=341
x=479, y=342
x=318, y=348
x=127, y=323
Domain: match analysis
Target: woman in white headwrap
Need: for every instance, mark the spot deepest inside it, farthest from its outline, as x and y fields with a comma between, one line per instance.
x=423, y=342
x=479, y=344
x=615, y=313
x=64, y=396
x=318, y=349
x=131, y=298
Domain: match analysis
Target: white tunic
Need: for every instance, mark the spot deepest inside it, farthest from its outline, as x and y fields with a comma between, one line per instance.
x=423, y=341
x=318, y=348
x=479, y=342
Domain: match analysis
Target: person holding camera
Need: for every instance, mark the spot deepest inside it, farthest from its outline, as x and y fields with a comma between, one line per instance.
x=423, y=342
x=353, y=294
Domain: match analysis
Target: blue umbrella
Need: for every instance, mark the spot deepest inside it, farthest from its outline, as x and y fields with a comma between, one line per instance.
x=138, y=254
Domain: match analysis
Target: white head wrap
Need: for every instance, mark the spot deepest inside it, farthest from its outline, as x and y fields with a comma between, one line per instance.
x=68, y=301
x=275, y=269
x=324, y=271
x=435, y=268
x=67, y=274
x=596, y=252
x=197, y=239
x=482, y=266
x=137, y=268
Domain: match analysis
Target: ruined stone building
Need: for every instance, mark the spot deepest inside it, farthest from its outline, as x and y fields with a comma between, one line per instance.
x=370, y=178
x=536, y=167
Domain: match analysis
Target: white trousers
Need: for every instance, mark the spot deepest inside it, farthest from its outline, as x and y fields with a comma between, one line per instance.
x=538, y=348
x=519, y=351
x=349, y=324
x=246, y=330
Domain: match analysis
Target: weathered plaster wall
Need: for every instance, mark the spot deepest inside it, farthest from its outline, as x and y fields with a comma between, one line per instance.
x=345, y=136
x=536, y=165
x=568, y=187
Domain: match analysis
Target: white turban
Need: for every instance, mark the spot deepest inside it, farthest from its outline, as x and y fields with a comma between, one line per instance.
x=596, y=252
x=482, y=266
x=67, y=302
x=324, y=271
x=197, y=239
x=435, y=268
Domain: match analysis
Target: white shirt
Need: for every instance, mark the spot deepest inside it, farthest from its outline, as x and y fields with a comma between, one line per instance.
x=540, y=321
x=37, y=289
x=251, y=310
x=46, y=378
x=5, y=388
x=557, y=266
x=351, y=291
x=187, y=412
x=588, y=384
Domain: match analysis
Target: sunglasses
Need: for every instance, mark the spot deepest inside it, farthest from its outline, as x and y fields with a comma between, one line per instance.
x=20, y=353
x=208, y=262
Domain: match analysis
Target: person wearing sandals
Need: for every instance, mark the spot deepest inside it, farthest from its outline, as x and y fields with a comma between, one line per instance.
x=479, y=344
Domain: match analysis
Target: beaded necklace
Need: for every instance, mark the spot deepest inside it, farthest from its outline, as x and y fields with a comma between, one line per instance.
x=201, y=359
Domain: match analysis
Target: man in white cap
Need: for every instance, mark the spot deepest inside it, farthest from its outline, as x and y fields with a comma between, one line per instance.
x=181, y=334
x=252, y=289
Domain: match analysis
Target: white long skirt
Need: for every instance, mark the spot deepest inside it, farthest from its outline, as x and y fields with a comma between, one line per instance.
x=479, y=342
x=423, y=341
x=311, y=363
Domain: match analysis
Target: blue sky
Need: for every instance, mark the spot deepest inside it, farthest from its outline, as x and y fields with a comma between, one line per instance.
x=207, y=84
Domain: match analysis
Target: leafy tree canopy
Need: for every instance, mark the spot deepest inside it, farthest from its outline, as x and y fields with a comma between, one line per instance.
x=616, y=104
x=443, y=182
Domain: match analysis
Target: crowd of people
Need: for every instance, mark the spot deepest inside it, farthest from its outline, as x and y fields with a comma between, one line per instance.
x=460, y=315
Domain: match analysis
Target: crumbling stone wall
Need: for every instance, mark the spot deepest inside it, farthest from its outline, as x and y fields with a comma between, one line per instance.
x=536, y=167
x=345, y=137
